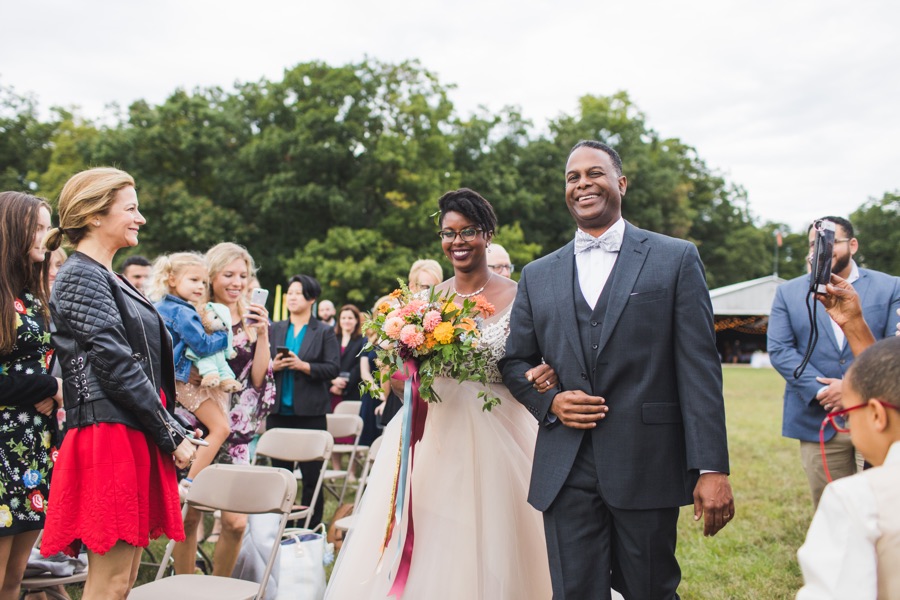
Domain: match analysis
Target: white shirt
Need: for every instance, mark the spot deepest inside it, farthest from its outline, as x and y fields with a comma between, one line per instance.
x=595, y=265
x=838, y=557
x=838, y=332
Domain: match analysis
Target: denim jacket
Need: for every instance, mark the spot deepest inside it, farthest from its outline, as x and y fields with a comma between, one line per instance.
x=184, y=325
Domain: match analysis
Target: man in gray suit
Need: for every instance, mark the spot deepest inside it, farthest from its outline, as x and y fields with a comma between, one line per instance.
x=808, y=398
x=637, y=426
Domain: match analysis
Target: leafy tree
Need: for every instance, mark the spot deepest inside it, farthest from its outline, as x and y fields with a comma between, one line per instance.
x=353, y=265
x=877, y=225
x=24, y=141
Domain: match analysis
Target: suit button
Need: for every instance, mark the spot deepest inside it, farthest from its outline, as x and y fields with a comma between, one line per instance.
x=843, y=361
x=595, y=346
x=584, y=375
x=594, y=323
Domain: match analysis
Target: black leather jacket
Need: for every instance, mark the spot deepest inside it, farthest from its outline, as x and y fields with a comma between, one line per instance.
x=114, y=351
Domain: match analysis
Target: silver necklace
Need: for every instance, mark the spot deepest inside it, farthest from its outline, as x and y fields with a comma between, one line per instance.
x=476, y=292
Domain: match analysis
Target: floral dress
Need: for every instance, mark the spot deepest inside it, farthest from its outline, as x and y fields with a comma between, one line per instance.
x=249, y=407
x=26, y=455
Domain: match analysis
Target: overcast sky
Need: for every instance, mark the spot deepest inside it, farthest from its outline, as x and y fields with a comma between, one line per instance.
x=796, y=101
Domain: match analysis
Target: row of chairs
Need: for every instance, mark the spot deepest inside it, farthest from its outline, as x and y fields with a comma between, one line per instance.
x=255, y=490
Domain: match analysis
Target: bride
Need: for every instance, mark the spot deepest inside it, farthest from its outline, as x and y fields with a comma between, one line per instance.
x=476, y=537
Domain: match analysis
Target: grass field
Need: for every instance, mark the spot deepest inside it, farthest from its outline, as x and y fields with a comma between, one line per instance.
x=755, y=556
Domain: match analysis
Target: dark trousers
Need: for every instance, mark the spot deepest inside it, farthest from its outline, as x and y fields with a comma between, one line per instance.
x=310, y=470
x=593, y=546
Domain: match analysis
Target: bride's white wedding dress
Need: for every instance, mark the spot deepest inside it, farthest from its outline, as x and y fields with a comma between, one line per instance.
x=476, y=537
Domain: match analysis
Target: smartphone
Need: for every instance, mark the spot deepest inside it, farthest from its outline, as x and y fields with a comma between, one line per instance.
x=344, y=375
x=282, y=351
x=259, y=296
x=197, y=441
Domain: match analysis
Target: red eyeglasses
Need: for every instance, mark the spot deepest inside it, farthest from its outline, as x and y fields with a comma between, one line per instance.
x=841, y=425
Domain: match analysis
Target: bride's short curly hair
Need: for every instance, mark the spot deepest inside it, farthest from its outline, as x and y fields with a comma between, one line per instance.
x=470, y=204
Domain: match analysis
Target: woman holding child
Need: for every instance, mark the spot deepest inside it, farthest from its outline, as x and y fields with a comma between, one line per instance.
x=230, y=269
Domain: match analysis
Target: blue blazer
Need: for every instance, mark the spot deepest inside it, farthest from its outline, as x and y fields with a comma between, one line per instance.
x=186, y=328
x=788, y=334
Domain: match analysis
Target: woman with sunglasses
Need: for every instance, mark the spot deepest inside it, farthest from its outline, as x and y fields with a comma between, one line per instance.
x=476, y=537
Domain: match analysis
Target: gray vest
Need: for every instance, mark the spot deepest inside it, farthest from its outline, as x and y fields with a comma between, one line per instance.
x=590, y=326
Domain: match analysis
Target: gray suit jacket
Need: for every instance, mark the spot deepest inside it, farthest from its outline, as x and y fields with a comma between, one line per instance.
x=657, y=367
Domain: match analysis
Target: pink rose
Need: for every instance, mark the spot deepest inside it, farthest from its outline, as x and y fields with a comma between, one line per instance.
x=392, y=327
x=431, y=320
x=239, y=420
x=411, y=336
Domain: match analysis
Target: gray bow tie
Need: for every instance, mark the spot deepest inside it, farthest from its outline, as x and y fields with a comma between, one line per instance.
x=611, y=241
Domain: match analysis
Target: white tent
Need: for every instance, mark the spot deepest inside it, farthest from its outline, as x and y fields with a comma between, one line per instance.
x=747, y=298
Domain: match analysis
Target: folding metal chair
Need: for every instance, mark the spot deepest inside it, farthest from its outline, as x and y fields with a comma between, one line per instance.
x=342, y=426
x=350, y=407
x=346, y=523
x=298, y=445
x=46, y=583
x=243, y=489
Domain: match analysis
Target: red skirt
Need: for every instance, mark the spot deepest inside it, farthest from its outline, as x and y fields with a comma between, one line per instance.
x=110, y=483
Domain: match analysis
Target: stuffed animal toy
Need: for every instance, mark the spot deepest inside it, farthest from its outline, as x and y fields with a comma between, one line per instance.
x=213, y=368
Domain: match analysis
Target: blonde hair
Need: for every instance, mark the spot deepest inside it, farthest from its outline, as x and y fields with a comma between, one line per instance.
x=220, y=256
x=172, y=265
x=85, y=195
x=426, y=265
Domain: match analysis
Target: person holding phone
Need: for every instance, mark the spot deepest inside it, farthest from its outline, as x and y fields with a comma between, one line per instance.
x=303, y=375
x=230, y=269
x=114, y=482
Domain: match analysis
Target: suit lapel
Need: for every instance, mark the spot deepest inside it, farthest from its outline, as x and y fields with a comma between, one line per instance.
x=561, y=281
x=628, y=267
x=312, y=331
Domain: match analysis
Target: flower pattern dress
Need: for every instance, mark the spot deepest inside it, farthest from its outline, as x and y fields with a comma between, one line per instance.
x=26, y=453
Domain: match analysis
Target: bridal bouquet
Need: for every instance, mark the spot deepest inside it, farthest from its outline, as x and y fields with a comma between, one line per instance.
x=441, y=338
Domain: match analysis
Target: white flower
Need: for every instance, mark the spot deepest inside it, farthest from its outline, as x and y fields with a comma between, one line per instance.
x=18, y=366
x=23, y=418
x=29, y=371
x=14, y=502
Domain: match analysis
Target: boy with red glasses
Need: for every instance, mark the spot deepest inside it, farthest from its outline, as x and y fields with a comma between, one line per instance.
x=852, y=548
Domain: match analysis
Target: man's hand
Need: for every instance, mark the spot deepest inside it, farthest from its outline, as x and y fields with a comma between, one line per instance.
x=714, y=501
x=830, y=397
x=542, y=377
x=578, y=410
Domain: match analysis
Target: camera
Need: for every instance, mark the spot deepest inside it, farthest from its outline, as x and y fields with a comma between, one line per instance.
x=821, y=257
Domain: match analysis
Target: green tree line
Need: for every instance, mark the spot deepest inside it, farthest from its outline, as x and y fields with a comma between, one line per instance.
x=336, y=171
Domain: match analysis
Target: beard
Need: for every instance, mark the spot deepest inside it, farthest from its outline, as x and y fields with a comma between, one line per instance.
x=840, y=263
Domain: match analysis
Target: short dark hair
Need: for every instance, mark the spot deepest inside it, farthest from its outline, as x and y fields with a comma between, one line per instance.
x=876, y=372
x=471, y=205
x=311, y=288
x=613, y=155
x=841, y=221
x=137, y=261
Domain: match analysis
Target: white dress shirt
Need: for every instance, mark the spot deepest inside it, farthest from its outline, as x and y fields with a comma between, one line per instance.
x=595, y=265
x=838, y=557
x=838, y=332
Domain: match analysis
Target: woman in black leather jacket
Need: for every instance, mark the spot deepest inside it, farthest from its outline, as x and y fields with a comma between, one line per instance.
x=114, y=483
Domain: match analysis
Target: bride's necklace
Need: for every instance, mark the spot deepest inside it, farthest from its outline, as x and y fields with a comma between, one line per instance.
x=476, y=292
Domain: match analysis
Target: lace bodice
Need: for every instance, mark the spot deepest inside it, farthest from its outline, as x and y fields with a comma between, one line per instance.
x=493, y=337
x=494, y=332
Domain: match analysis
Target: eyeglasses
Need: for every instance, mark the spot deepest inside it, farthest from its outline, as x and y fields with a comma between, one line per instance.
x=501, y=268
x=842, y=425
x=813, y=243
x=466, y=235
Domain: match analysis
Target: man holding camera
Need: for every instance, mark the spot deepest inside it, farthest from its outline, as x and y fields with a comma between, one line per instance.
x=817, y=391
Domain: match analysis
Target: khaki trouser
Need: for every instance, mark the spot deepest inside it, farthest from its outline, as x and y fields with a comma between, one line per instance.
x=843, y=461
